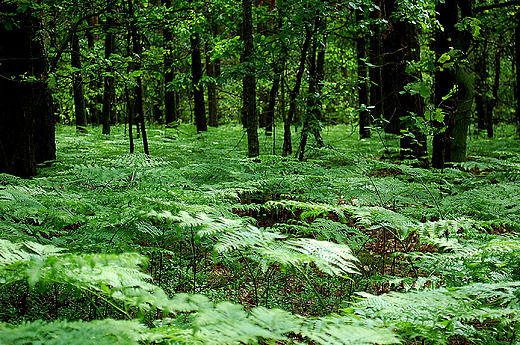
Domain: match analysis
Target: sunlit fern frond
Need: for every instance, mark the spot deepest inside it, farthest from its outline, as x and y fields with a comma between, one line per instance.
x=106, y=332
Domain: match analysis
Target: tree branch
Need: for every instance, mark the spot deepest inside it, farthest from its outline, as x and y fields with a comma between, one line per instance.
x=492, y=7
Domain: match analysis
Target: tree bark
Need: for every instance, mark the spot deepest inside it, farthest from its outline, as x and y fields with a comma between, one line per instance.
x=449, y=145
x=392, y=71
x=316, y=76
x=198, y=91
x=213, y=71
x=138, y=89
x=249, y=81
x=212, y=68
x=517, y=68
x=403, y=109
x=26, y=109
x=287, y=142
x=77, y=85
x=108, y=82
x=363, y=97
x=171, y=97
x=376, y=85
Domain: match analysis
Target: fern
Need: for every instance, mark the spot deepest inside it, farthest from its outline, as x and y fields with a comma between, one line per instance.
x=435, y=315
x=106, y=332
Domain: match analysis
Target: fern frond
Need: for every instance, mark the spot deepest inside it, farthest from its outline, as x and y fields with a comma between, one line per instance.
x=331, y=258
x=326, y=332
x=106, y=332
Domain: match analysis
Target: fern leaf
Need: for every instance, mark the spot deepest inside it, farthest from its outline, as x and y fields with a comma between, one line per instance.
x=331, y=258
x=328, y=333
x=106, y=332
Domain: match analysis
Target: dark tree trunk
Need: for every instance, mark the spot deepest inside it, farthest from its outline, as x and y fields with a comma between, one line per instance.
x=26, y=108
x=401, y=46
x=130, y=120
x=171, y=97
x=316, y=76
x=138, y=90
x=287, y=142
x=93, y=106
x=517, y=68
x=213, y=71
x=212, y=68
x=198, y=91
x=249, y=81
x=363, y=98
x=392, y=72
x=449, y=145
x=376, y=85
x=108, y=82
x=278, y=67
x=77, y=85
x=492, y=103
x=481, y=100
x=271, y=103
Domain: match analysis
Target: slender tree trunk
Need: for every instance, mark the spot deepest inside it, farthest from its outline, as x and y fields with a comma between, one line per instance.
x=198, y=91
x=249, y=81
x=287, y=142
x=77, y=85
x=213, y=71
x=130, y=120
x=108, y=82
x=271, y=103
x=316, y=77
x=138, y=90
x=93, y=106
x=392, y=45
x=363, y=98
x=26, y=109
x=278, y=67
x=171, y=97
x=517, y=68
x=494, y=101
x=481, y=70
x=376, y=85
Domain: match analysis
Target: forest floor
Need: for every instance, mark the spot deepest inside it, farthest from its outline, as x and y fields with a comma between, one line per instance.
x=404, y=226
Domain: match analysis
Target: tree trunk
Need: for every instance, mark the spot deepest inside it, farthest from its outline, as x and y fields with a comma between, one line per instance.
x=138, y=90
x=213, y=71
x=481, y=100
x=392, y=71
x=376, y=85
x=316, y=76
x=494, y=101
x=108, y=82
x=94, y=111
x=77, y=85
x=287, y=142
x=449, y=145
x=198, y=91
x=26, y=108
x=402, y=109
x=171, y=97
x=363, y=98
x=249, y=81
x=517, y=68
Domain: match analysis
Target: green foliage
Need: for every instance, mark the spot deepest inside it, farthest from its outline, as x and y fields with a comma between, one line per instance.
x=104, y=332
x=197, y=245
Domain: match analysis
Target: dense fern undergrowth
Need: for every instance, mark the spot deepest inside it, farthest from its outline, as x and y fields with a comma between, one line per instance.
x=197, y=244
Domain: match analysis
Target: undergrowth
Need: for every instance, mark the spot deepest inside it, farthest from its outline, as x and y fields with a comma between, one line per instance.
x=197, y=244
